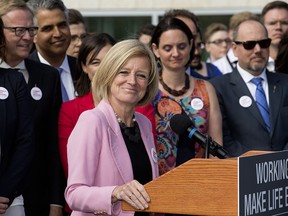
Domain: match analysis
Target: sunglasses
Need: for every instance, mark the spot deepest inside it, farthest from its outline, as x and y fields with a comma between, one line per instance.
x=248, y=45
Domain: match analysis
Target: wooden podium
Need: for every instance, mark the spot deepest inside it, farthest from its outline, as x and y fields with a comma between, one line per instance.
x=197, y=187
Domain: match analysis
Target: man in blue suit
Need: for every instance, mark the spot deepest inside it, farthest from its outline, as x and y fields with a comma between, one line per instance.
x=244, y=127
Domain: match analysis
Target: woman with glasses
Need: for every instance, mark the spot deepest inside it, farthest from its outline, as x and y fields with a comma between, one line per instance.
x=217, y=41
x=78, y=31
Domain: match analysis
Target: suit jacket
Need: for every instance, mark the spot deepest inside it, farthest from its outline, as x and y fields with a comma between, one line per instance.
x=243, y=127
x=68, y=117
x=16, y=134
x=47, y=180
x=99, y=161
x=71, y=61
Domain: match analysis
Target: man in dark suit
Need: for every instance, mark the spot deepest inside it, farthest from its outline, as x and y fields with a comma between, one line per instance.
x=244, y=127
x=16, y=138
x=45, y=192
x=52, y=41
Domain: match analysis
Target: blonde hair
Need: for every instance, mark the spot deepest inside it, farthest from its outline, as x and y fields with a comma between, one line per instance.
x=10, y=5
x=114, y=60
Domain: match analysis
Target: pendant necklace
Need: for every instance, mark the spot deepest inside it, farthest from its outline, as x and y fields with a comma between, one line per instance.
x=133, y=132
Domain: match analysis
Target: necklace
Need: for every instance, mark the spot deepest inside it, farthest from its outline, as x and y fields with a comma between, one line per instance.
x=133, y=132
x=173, y=92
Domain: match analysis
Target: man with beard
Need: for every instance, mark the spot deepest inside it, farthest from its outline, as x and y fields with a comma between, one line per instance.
x=198, y=68
x=253, y=101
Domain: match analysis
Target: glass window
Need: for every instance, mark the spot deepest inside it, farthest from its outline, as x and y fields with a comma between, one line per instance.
x=118, y=27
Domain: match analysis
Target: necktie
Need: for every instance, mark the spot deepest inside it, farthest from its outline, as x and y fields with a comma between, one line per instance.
x=261, y=101
x=63, y=90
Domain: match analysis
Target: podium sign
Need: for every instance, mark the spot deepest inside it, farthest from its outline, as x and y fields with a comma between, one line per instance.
x=263, y=184
x=255, y=183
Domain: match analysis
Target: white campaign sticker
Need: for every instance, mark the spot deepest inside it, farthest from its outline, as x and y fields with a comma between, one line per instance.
x=154, y=155
x=197, y=104
x=245, y=101
x=36, y=93
x=3, y=93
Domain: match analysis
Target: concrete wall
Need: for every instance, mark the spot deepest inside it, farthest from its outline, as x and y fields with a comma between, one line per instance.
x=200, y=7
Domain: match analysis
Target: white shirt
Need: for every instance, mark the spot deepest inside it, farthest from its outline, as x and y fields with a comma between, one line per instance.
x=271, y=65
x=66, y=77
x=247, y=77
x=223, y=65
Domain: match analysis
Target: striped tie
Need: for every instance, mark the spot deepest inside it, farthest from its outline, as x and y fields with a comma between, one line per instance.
x=261, y=101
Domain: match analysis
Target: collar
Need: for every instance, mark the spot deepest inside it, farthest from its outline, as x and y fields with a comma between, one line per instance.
x=20, y=66
x=64, y=65
x=231, y=56
x=271, y=64
x=247, y=76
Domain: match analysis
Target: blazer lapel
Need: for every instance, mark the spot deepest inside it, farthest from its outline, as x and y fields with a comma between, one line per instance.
x=2, y=110
x=150, y=149
x=275, y=98
x=240, y=89
x=118, y=147
x=35, y=79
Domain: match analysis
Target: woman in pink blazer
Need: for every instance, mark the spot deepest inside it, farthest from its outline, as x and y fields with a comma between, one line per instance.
x=91, y=53
x=111, y=152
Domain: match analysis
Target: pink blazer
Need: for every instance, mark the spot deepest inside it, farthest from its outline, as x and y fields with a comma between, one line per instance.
x=68, y=117
x=99, y=161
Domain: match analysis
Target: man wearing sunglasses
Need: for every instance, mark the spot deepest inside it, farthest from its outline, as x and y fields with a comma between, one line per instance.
x=253, y=101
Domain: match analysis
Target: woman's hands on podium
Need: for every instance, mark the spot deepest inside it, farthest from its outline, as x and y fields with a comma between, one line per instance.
x=133, y=193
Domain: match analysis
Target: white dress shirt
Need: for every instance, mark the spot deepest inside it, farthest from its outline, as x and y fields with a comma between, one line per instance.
x=66, y=76
x=247, y=77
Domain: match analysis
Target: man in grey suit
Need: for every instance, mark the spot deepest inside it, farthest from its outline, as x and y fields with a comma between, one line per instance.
x=244, y=127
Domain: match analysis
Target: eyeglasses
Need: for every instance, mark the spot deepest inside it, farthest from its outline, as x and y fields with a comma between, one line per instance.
x=248, y=45
x=220, y=41
x=20, y=31
x=74, y=38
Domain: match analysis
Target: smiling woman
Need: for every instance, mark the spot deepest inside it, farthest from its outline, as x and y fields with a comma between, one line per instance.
x=111, y=151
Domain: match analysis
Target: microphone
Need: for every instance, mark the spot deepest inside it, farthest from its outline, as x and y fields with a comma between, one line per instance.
x=181, y=123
